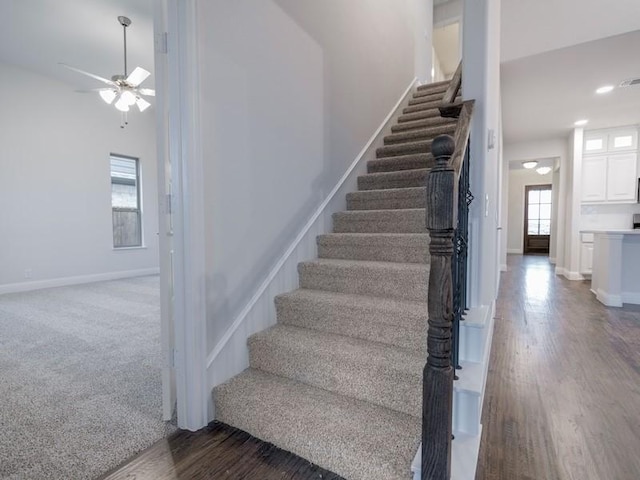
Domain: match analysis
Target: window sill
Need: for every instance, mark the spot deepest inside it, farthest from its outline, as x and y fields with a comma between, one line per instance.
x=120, y=249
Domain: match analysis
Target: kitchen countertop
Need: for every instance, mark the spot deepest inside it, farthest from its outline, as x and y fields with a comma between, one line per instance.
x=614, y=231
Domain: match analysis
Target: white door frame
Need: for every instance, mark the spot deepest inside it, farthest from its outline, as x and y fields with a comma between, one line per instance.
x=187, y=199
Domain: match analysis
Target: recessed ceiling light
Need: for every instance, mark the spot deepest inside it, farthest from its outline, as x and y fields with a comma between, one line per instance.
x=579, y=123
x=529, y=164
x=543, y=170
x=605, y=89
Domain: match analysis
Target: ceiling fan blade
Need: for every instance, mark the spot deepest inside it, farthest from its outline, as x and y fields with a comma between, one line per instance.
x=102, y=79
x=149, y=92
x=93, y=90
x=138, y=76
x=142, y=104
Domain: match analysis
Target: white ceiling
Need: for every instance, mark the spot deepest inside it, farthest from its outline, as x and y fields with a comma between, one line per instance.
x=531, y=27
x=543, y=95
x=38, y=34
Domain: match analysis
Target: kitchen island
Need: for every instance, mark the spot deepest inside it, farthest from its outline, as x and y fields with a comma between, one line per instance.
x=615, y=277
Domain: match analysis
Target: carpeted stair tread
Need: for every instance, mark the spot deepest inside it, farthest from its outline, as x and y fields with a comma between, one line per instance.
x=403, y=281
x=355, y=439
x=434, y=87
x=421, y=134
x=380, y=374
x=414, y=161
x=377, y=247
x=407, y=220
x=424, y=123
x=412, y=117
x=404, y=149
x=395, y=322
x=398, y=179
x=422, y=106
x=421, y=97
x=387, y=199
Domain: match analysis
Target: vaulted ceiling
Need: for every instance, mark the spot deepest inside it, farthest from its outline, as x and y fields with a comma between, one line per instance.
x=38, y=34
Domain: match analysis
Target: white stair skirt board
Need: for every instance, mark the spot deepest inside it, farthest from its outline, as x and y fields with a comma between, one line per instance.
x=78, y=280
x=468, y=399
x=464, y=458
x=230, y=356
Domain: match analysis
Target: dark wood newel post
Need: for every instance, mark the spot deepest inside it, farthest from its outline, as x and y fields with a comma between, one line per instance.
x=437, y=389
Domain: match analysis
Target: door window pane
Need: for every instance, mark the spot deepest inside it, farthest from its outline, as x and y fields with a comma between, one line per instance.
x=534, y=196
x=545, y=211
x=545, y=227
x=532, y=227
x=534, y=212
x=545, y=196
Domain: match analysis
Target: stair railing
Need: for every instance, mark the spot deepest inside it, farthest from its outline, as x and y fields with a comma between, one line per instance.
x=448, y=199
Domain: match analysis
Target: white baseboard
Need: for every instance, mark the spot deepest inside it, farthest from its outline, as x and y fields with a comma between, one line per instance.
x=77, y=280
x=560, y=270
x=574, y=276
x=514, y=251
x=503, y=267
x=631, y=297
x=230, y=355
x=609, y=299
x=552, y=260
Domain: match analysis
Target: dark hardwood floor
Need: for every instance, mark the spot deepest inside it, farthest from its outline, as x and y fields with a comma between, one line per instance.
x=563, y=394
x=217, y=452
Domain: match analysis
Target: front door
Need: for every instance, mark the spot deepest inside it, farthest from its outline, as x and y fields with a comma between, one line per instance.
x=537, y=219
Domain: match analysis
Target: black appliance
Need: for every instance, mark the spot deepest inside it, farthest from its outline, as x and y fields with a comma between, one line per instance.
x=636, y=220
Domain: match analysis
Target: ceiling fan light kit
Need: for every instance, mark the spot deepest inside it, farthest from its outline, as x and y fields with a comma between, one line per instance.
x=123, y=89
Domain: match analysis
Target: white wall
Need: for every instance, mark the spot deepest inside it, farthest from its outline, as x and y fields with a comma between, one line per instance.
x=481, y=81
x=55, y=191
x=518, y=180
x=291, y=92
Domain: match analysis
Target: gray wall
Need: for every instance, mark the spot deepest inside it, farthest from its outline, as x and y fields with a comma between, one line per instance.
x=291, y=90
x=55, y=186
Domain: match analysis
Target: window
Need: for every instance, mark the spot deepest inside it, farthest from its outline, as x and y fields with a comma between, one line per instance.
x=125, y=202
x=539, y=212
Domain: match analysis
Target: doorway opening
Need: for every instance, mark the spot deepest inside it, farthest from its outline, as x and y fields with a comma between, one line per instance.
x=537, y=219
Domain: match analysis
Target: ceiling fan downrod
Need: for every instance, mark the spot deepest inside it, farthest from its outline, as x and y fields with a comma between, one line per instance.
x=125, y=22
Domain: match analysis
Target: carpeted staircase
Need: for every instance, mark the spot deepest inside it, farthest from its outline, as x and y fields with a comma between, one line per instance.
x=338, y=379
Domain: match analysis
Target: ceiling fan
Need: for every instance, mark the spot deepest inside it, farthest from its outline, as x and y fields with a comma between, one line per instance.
x=125, y=89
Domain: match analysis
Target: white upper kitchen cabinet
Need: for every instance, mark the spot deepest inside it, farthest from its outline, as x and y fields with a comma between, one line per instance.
x=610, y=166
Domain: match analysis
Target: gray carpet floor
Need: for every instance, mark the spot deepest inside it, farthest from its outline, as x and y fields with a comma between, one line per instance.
x=80, y=383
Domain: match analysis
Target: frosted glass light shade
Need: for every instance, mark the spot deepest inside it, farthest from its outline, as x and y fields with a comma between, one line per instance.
x=108, y=96
x=122, y=105
x=128, y=97
x=529, y=164
x=543, y=170
x=142, y=104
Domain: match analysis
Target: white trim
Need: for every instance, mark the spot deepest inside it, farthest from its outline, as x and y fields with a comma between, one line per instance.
x=574, y=276
x=631, y=297
x=560, y=271
x=514, y=251
x=504, y=268
x=319, y=211
x=552, y=260
x=609, y=299
x=188, y=214
x=77, y=280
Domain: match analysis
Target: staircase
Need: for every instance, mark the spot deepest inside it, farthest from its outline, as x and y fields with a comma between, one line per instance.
x=338, y=380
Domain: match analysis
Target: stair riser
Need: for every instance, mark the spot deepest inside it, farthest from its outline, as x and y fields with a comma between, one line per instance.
x=402, y=223
x=395, y=164
x=403, y=285
x=412, y=117
x=419, y=135
x=437, y=87
x=426, y=123
x=421, y=107
x=353, y=320
x=375, y=254
x=393, y=181
x=403, y=149
x=396, y=202
x=385, y=387
x=421, y=97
